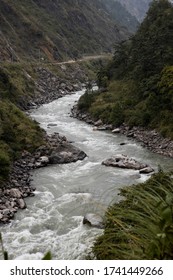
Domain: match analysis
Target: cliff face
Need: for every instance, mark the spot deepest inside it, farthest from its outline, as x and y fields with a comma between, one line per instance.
x=57, y=29
x=137, y=8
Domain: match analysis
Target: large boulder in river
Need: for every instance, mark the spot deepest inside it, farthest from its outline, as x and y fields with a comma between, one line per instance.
x=66, y=153
x=93, y=220
x=123, y=161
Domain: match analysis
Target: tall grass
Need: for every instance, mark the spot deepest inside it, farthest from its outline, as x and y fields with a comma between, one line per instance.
x=141, y=225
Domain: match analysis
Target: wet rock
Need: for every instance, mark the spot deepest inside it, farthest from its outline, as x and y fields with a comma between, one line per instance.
x=116, y=130
x=66, y=156
x=44, y=160
x=98, y=123
x=101, y=128
x=51, y=125
x=21, y=203
x=15, y=193
x=146, y=170
x=93, y=220
x=81, y=155
x=123, y=161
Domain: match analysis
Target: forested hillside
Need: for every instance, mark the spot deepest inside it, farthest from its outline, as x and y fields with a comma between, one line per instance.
x=137, y=86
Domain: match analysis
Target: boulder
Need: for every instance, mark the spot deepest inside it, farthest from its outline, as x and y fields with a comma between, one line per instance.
x=102, y=128
x=98, y=123
x=93, y=220
x=146, y=170
x=66, y=153
x=44, y=160
x=21, y=203
x=123, y=161
x=15, y=193
x=116, y=130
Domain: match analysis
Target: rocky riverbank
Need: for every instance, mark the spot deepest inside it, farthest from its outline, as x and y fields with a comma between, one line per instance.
x=57, y=149
x=50, y=86
x=150, y=139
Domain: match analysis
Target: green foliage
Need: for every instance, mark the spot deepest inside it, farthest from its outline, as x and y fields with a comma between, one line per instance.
x=86, y=100
x=17, y=133
x=137, y=82
x=47, y=257
x=17, y=83
x=4, y=161
x=141, y=225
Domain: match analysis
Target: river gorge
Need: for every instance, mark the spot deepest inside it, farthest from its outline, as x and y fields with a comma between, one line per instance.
x=65, y=193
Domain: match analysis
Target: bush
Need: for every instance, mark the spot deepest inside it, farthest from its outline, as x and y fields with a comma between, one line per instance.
x=86, y=100
x=4, y=162
x=141, y=225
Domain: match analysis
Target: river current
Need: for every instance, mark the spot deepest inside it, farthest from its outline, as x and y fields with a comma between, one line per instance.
x=65, y=193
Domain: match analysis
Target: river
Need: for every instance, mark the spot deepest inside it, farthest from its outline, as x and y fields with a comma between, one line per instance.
x=65, y=193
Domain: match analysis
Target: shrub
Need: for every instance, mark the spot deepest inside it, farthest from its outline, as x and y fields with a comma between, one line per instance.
x=141, y=225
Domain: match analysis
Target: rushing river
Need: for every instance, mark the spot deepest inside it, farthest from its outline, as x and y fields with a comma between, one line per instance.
x=65, y=193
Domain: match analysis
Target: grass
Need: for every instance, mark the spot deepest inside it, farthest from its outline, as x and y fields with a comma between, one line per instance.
x=139, y=227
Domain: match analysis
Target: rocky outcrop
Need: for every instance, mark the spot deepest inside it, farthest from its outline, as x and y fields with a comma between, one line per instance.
x=49, y=87
x=123, y=161
x=93, y=220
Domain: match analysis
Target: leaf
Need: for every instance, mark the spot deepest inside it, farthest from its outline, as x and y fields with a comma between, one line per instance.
x=47, y=257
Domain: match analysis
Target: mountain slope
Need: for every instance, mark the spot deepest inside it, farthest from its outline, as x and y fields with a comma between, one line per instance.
x=56, y=29
x=137, y=8
x=121, y=14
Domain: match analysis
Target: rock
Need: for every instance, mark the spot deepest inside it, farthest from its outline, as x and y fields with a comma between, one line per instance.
x=51, y=125
x=130, y=134
x=123, y=161
x=38, y=165
x=81, y=155
x=146, y=170
x=21, y=203
x=6, y=212
x=101, y=128
x=66, y=156
x=98, y=123
x=15, y=193
x=116, y=130
x=44, y=160
x=108, y=126
x=93, y=220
